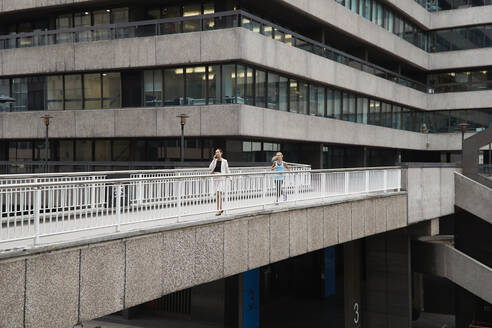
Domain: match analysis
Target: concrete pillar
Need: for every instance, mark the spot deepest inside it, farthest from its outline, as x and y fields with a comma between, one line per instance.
x=352, y=284
x=388, y=281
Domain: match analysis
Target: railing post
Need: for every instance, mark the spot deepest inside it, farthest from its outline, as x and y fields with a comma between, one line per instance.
x=385, y=180
x=178, y=204
x=296, y=184
x=93, y=192
x=399, y=180
x=346, y=183
x=323, y=183
x=37, y=213
x=367, y=180
x=264, y=189
x=118, y=207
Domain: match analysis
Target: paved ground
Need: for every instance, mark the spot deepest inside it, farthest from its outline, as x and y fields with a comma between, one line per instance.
x=434, y=320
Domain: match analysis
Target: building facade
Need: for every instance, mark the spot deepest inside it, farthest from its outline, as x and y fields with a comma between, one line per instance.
x=330, y=83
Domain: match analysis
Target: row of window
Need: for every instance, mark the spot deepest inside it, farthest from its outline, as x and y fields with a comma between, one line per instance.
x=215, y=84
x=439, y=5
x=114, y=154
x=460, y=81
x=139, y=150
x=462, y=38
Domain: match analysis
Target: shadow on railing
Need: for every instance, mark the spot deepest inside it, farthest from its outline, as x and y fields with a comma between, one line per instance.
x=208, y=22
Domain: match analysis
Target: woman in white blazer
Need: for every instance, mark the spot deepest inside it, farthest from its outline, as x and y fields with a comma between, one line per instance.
x=219, y=165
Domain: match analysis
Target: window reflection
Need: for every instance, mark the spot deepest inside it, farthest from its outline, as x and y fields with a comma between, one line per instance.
x=174, y=86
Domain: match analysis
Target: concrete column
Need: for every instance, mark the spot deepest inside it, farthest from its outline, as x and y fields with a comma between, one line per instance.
x=388, y=281
x=352, y=284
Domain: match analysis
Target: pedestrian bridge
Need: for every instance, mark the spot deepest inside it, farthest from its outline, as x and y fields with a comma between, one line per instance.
x=45, y=209
x=77, y=247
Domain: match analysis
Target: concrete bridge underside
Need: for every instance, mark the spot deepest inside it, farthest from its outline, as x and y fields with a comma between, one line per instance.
x=67, y=284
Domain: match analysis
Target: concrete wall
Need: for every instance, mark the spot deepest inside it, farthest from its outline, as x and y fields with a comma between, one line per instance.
x=461, y=17
x=443, y=260
x=203, y=47
x=430, y=192
x=60, y=288
x=216, y=120
x=7, y=6
x=338, y=16
x=473, y=197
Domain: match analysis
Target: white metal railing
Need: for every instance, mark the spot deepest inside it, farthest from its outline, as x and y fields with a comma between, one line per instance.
x=38, y=210
x=100, y=175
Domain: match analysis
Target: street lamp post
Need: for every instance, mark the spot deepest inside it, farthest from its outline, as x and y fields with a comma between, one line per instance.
x=463, y=126
x=46, y=119
x=183, y=118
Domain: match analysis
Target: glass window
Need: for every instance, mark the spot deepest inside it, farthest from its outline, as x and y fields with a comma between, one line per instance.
x=64, y=22
x=92, y=91
x=36, y=89
x=273, y=90
x=214, y=84
x=283, y=93
x=250, y=87
x=65, y=150
x=174, y=86
x=316, y=100
x=19, y=93
x=73, y=91
x=294, y=97
x=330, y=107
x=303, y=97
x=406, y=119
x=386, y=114
x=102, y=17
x=396, y=117
x=349, y=107
x=194, y=24
x=4, y=91
x=374, y=14
x=228, y=83
x=102, y=150
x=260, y=88
x=241, y=86
x=80, y=20
x=362, y=109
x=354, y=5
x=54, y=92
x=321, y=101
x=337, y=104
x=119, y=15
x=121, y=150
x=112, y=89
x=374, y=112
x=379, y=9
x=83, y=150
x=196, y=86
x=173, y=27
x=208, y=8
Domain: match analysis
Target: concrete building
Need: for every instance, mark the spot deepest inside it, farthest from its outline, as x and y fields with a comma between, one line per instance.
x=330, y=83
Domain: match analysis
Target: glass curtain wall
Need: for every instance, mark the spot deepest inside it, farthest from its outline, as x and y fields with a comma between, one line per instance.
x=227, y=84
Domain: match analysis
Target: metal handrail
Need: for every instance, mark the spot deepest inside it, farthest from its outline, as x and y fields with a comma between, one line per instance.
x=186, y=177
x=392, y=76
x=154, y=171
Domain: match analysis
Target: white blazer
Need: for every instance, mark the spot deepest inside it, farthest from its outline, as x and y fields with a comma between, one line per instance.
x=224, y=168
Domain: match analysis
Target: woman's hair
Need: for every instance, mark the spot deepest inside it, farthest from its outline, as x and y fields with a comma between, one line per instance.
x=274, y=158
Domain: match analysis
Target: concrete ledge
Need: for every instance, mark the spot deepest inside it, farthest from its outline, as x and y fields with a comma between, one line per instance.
x=430, y=192
x=218, y=120
x=12, y=286
x=144, y=265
